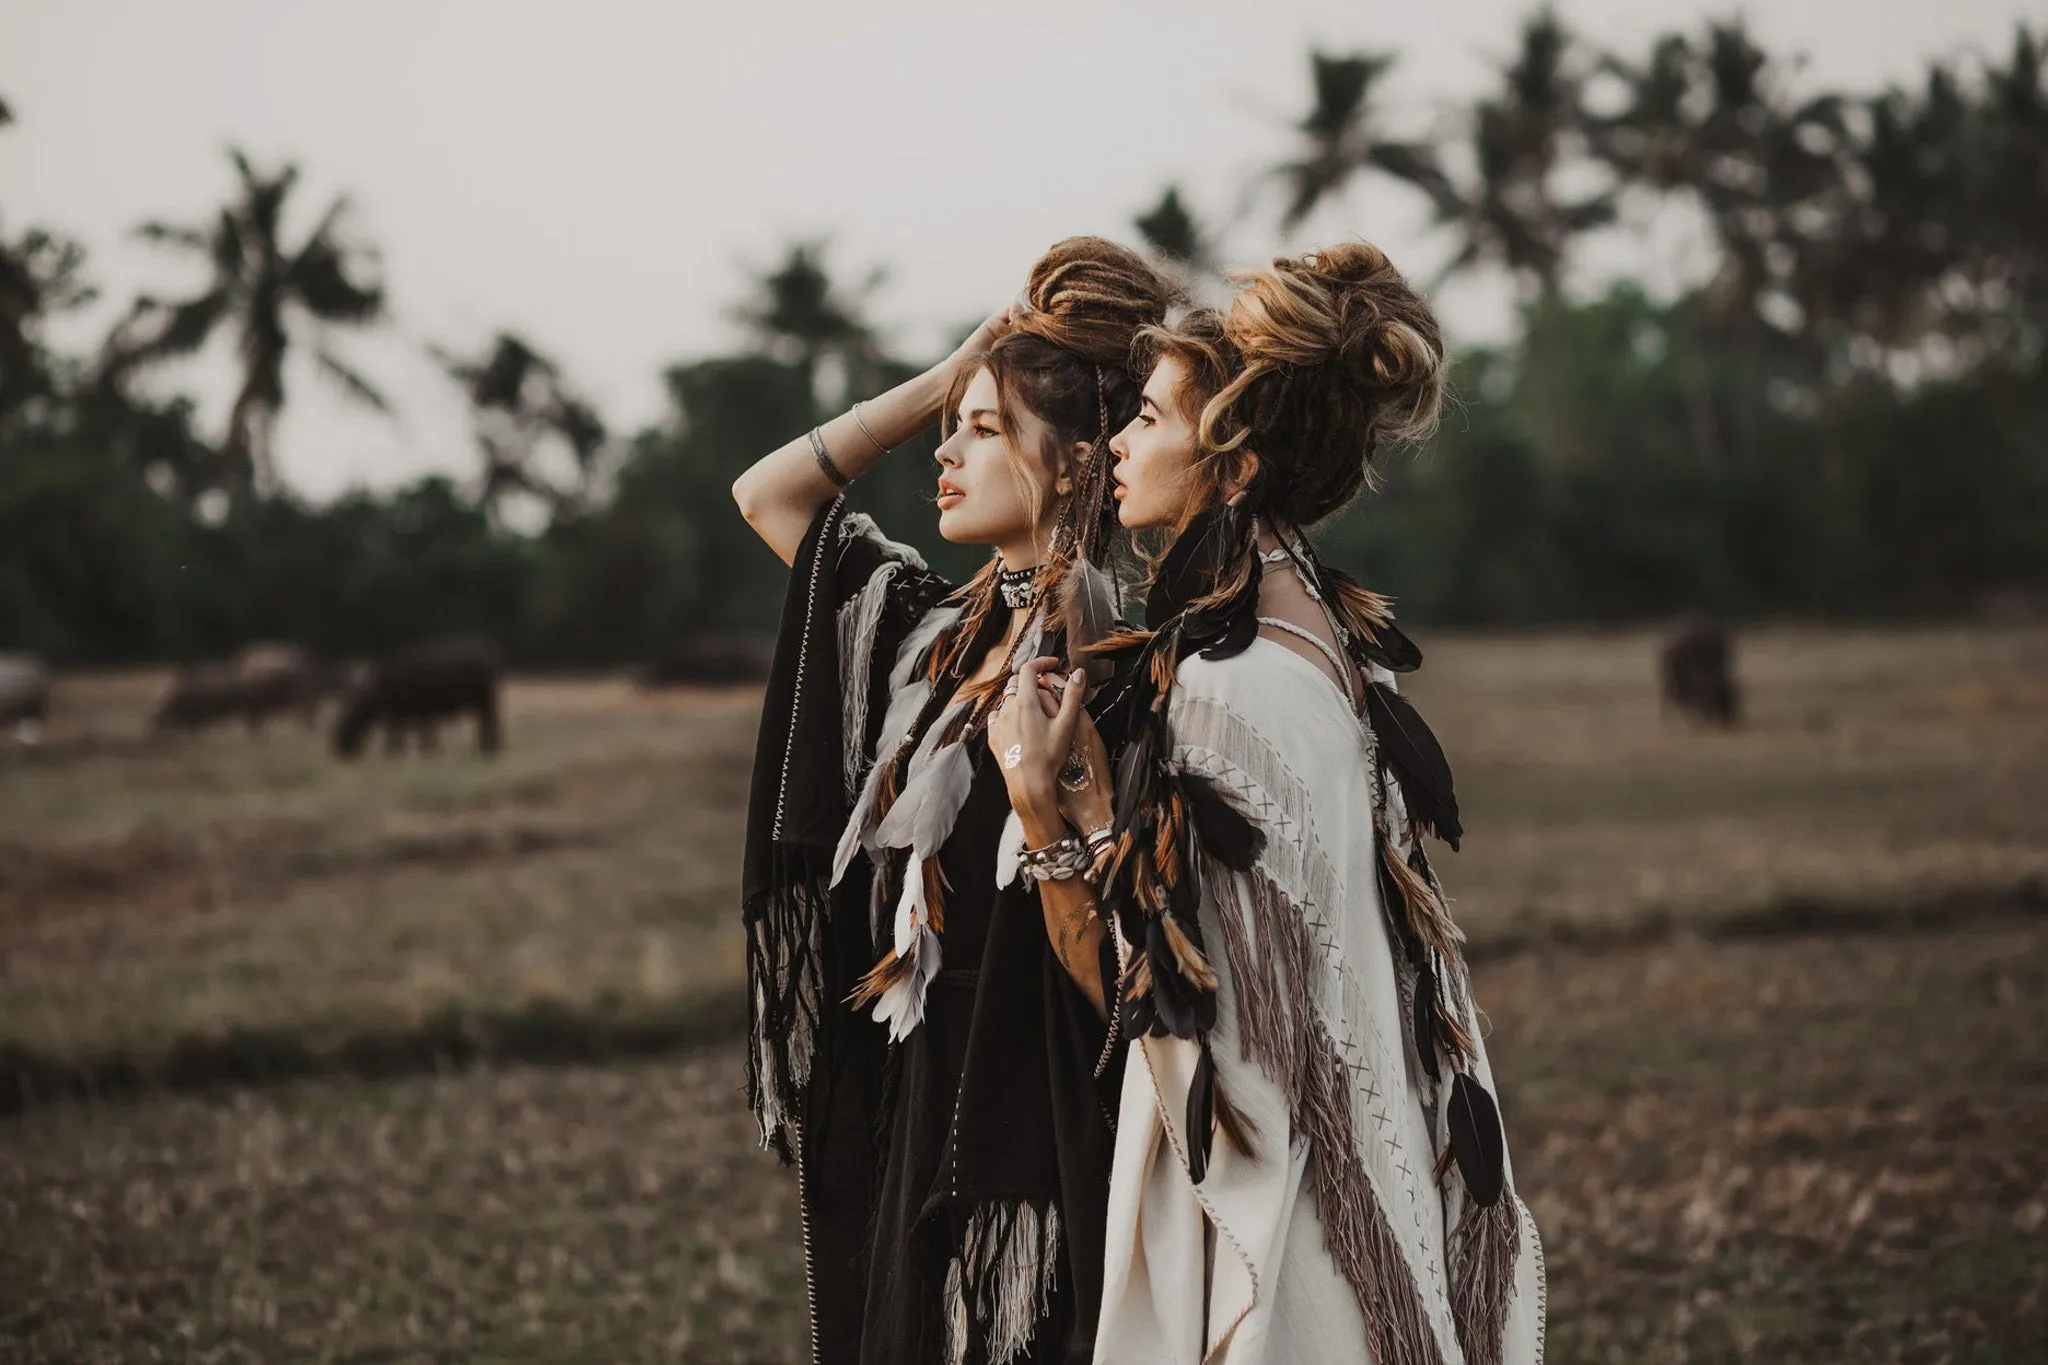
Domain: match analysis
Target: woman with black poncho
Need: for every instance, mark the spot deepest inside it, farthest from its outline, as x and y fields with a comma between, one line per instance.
x=929, y=982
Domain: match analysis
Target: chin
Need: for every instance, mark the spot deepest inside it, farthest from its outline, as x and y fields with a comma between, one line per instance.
x=955, y=531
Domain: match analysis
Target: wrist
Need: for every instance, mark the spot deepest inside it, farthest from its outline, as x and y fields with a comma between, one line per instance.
x=1042, y=822
x=1093, y=816
x=928, y=390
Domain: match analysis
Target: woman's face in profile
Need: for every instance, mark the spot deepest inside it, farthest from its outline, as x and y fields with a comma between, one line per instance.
x=992, y=482
x=1155, y=454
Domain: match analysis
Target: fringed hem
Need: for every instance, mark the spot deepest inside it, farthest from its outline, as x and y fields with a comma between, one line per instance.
x=1281, y=1032
x=1482, y=1253
x=785, y=950
x=1001, y=1281
x=859, y=622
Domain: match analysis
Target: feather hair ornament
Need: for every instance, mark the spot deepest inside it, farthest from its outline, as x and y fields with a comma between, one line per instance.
x=1412, y=754
x=1477, y=1144
x=1089, y=610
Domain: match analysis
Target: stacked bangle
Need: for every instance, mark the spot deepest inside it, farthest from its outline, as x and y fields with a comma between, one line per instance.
x=880, y=449
x=1060, y=860
x=824, y=459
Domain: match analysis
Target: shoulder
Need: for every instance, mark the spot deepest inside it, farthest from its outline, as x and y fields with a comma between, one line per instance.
x=1265, y=682
x=1261, y=707
x=859, y=535
x=866, y=559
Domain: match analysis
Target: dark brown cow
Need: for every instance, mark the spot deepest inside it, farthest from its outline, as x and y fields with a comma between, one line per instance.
x=1698, y=672
x=24, y=696
x=200, y=695
x=276, y=677
x=414, y=691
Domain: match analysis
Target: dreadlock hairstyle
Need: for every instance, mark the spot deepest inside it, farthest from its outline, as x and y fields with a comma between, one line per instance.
x=1322, y=361
x=1068, y=361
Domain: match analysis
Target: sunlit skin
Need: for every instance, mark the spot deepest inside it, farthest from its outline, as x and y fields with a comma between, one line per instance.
x=1155, y=455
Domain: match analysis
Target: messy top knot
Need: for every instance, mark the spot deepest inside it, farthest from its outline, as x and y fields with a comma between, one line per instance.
x=1338, y=354
x=1092, y=297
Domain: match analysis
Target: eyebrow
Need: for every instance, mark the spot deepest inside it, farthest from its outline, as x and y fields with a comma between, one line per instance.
x=979, y=412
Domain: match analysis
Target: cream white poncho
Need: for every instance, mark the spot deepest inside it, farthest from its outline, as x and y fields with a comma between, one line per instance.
x=1335, y=1241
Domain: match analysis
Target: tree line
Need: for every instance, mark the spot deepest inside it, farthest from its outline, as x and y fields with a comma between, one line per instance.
x=1841, y=411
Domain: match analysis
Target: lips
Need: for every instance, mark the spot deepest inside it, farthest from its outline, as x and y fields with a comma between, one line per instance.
x=948, y=494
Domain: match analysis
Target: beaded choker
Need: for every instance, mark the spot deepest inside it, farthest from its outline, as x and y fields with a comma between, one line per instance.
x=1019, y=588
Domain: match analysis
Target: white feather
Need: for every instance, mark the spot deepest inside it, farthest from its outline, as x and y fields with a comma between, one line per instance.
x=1009, y=851
x=948, y=781
x=901, y=1007
x=910, y=907
x=906, y=699
x=896, y=827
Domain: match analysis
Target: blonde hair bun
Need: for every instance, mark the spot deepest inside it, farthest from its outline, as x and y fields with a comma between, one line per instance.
x=1338, y=355
x=1347, y=310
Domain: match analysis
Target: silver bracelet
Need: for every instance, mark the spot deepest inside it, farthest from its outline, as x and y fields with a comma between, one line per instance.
x=1062, y=859
x=824, y=459
x=880, y=449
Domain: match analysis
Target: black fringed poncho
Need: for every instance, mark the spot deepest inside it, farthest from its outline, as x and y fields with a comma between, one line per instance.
x=954, y=1185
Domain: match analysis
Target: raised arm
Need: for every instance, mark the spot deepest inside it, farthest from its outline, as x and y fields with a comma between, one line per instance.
x=782, y=491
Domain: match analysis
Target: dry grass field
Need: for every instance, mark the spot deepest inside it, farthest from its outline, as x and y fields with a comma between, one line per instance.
x=431, y=1058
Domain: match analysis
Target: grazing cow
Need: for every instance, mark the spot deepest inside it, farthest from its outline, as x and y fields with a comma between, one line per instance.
x=24, y=696
x=200, y=695
x=277, y=677
x=412, y=692
x=1697, y=667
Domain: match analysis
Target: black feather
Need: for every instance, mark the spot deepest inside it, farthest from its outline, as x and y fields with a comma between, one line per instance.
x=1226, y=631
x=1390, y=649
x=1411, y=752
x=1189, y=568
x=1135, y=771
x=1227, y=834
x=1181, y=1008
x=1201, y=1115
x=1425, y=1015
x=1476, y=1141
x=1140, y=1016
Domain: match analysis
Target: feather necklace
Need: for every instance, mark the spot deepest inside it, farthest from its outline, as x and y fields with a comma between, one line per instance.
x=938, y=777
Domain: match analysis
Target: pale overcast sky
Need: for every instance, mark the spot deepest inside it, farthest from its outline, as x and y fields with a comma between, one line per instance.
x=600, y=175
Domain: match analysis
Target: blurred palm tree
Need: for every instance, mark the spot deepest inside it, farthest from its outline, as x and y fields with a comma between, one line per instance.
x=2016, y=185
x=1713, y=119
x=1169, y=228
x=1515, y=214
x=41, y=273
x=1938, y=229
x=263, y=290
x=538, y=439
x=1341, y=137
x=801, y=315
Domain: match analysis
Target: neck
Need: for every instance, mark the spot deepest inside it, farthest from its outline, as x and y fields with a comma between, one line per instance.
x=1270, y=537
x=1019, y=556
